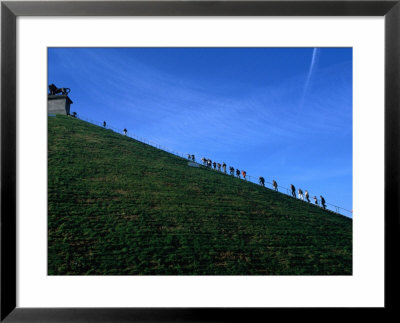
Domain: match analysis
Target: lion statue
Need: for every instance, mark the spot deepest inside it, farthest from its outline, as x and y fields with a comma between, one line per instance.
x=54, y=90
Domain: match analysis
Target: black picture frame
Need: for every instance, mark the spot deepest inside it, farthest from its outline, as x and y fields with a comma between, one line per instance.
x=10, y=10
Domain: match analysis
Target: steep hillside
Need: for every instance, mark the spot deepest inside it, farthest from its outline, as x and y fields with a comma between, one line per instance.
x=119, y=207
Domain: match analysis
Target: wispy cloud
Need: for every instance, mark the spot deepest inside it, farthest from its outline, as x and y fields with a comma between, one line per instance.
x=314, y=60
x=177, y=113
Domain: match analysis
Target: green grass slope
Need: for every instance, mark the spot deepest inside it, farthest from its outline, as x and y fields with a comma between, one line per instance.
x=119, y=207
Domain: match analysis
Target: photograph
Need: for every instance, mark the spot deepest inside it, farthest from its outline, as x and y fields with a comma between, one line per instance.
x=200, y=161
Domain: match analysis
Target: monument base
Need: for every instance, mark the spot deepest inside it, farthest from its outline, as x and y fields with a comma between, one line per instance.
x=58, y=104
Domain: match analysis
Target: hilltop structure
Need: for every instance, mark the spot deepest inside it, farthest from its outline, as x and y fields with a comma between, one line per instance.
x=58, y=101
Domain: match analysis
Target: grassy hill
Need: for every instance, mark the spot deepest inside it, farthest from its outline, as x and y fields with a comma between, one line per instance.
x=117, y=206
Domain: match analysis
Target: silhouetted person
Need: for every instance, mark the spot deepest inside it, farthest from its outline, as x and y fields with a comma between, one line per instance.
x=301, y=194
x=322, y=202
x=315, y=200
x=125, y=131
x=293, y=190
x=104, y=124
x=209, y=163
x=275, y=185
x=238, y=173
x=232, y=170
x=214, y=165
x=224, y=167
x=307, y=196
x=193, y=158
x=262, y=181
x=244, y=174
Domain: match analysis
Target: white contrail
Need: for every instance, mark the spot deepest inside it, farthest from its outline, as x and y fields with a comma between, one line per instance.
x=310, y=72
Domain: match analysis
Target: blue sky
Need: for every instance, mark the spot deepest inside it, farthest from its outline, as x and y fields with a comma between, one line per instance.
x=280, y=113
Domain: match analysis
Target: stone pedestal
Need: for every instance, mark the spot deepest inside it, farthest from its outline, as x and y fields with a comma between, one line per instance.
x=58, y=104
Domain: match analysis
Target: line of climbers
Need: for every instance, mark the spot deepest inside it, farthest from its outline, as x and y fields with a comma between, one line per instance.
x=300, y=192
x=307, y=196
x=209, y=163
